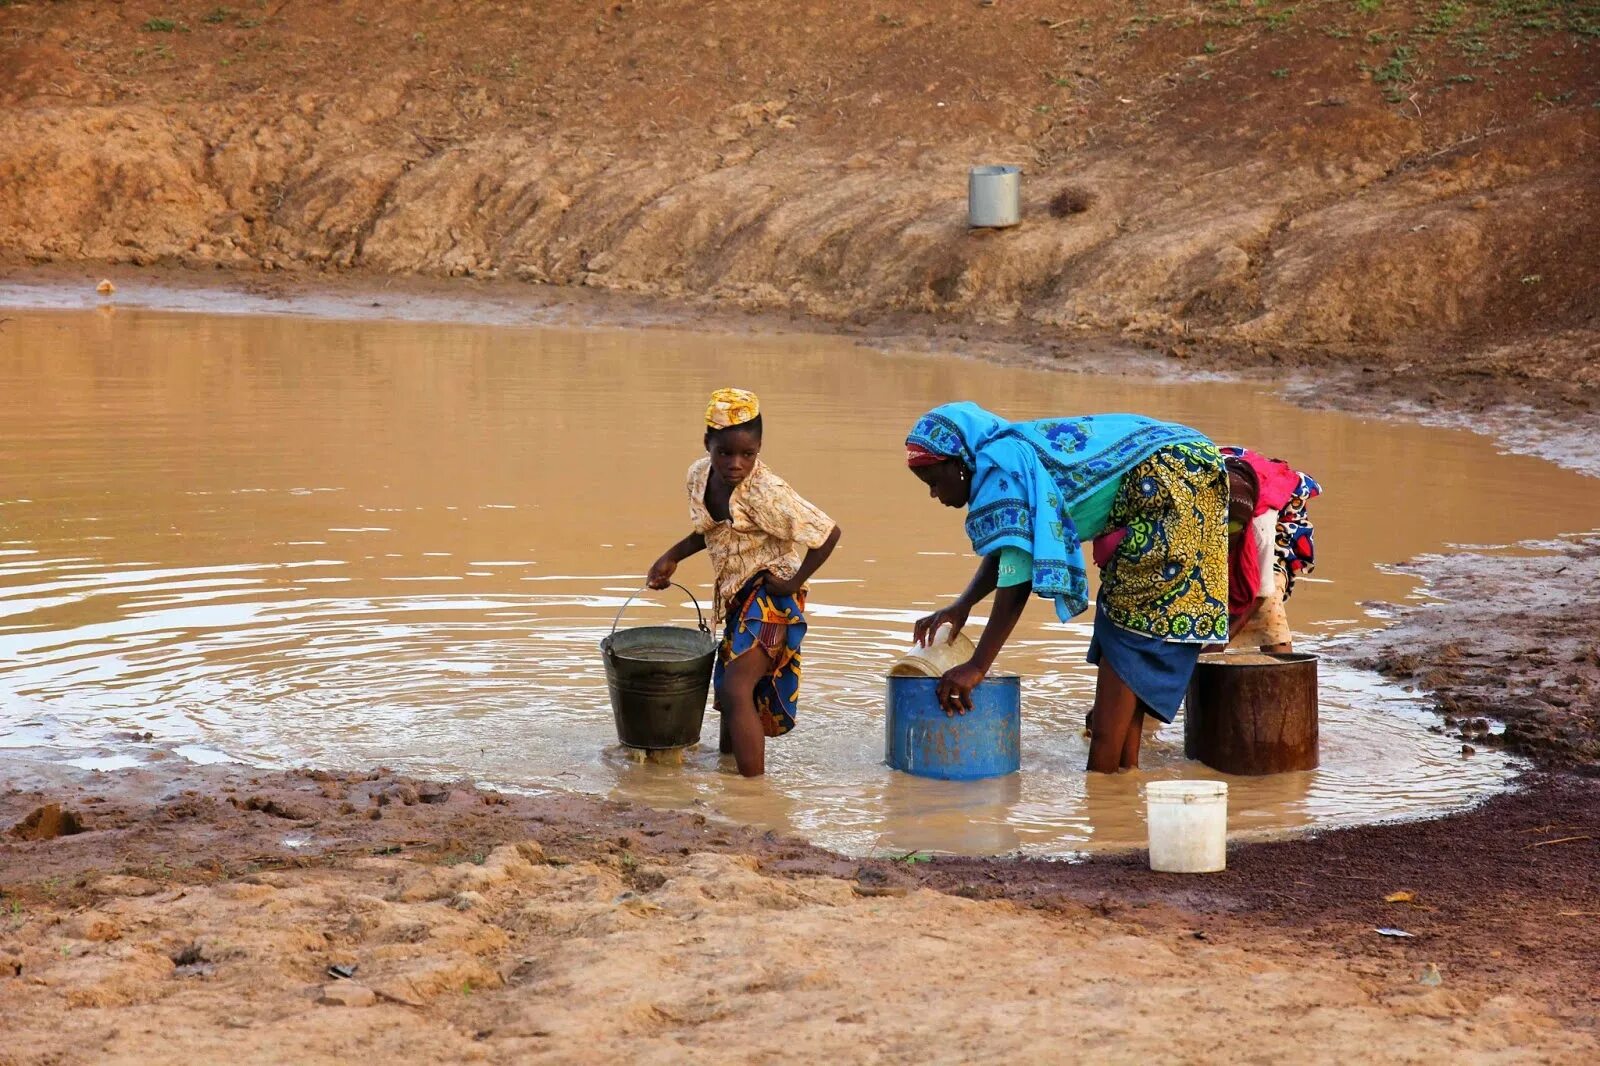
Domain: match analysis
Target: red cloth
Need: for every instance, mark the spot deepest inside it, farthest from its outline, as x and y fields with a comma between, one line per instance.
x=1278, y=481
x=1244, y=555
x=1105, y=545
x=1244, y=577
x=917, y=455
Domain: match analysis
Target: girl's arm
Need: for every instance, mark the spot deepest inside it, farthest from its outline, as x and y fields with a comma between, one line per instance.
x=662, y=569
x=983, y=582
x=815, y=557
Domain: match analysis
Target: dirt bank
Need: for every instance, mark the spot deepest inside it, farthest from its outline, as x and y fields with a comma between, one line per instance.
x=1404, y=185
x=1513, y=638
x=201, y=912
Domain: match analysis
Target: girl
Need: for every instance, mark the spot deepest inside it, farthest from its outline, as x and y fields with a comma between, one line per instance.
x=1270, y=544
x=765, y=542
x=1034, y=492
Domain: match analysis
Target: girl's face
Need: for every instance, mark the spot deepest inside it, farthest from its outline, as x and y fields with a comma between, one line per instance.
x=947, y=482
x=733, y=453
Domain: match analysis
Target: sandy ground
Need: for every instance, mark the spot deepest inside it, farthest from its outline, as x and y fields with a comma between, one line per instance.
x=198, y=914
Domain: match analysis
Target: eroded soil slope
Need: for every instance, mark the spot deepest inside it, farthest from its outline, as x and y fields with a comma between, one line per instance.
x=1388, y=180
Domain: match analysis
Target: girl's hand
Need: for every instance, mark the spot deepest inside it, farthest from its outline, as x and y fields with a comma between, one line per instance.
x=955, y=688
x=661, y=572
x=776, y=587
x=954, y=615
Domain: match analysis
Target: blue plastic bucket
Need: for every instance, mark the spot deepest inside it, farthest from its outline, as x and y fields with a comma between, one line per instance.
x=919, y=738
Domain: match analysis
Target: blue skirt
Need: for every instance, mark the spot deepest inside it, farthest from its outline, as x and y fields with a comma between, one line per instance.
x=1158, y=671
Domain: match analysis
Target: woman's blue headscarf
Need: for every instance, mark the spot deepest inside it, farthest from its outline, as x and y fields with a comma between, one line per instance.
x=1026, y=476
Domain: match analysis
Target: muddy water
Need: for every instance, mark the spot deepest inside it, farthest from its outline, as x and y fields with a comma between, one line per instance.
x=348, y=543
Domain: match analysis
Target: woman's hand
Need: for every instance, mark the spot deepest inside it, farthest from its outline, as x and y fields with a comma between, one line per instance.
x=955, y=687
x=954, y=615
x=778, y=587
x=661, y=572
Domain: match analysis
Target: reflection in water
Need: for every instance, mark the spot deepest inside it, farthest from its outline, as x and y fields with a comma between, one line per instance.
x=923, y=815
x=350, y=543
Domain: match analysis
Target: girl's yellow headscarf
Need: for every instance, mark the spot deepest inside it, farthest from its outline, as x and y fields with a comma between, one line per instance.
x=731, y=407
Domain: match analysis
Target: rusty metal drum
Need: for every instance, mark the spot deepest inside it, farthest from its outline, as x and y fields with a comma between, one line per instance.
x=1253, y=714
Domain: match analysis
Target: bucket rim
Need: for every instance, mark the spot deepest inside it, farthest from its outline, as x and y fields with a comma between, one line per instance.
x=1185, y=791
x=1283, y=658
x=992, y=678
x=608, y=640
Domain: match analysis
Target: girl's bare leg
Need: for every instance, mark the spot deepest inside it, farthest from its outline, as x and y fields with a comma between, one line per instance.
x=741, y=724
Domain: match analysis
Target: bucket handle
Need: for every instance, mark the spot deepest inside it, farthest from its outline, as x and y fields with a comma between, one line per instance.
x=699, y=614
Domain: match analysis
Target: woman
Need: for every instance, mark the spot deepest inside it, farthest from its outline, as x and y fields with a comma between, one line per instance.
x=1270, y=544
x=1156, y=495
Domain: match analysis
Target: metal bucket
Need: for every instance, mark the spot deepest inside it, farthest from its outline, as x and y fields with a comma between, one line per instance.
x=919, y=738
x=1253, y=718
x=994, y=196
x=658, y=677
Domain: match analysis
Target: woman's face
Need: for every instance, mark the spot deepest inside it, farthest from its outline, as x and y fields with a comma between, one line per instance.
x=947, y=482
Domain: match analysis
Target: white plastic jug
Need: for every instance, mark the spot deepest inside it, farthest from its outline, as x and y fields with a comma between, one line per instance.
x=942, y=653
x=1188, y=823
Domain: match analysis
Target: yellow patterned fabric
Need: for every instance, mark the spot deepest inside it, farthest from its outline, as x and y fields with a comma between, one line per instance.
x=770, y=526
x=731, y=407
x=1168, y=579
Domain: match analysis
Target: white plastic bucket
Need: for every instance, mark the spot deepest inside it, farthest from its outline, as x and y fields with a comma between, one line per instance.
x=1188, y=823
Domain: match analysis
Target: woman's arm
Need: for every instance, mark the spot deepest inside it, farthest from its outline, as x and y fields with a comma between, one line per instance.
x=1244, y=619
x=955, y=687
x=983, y=582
